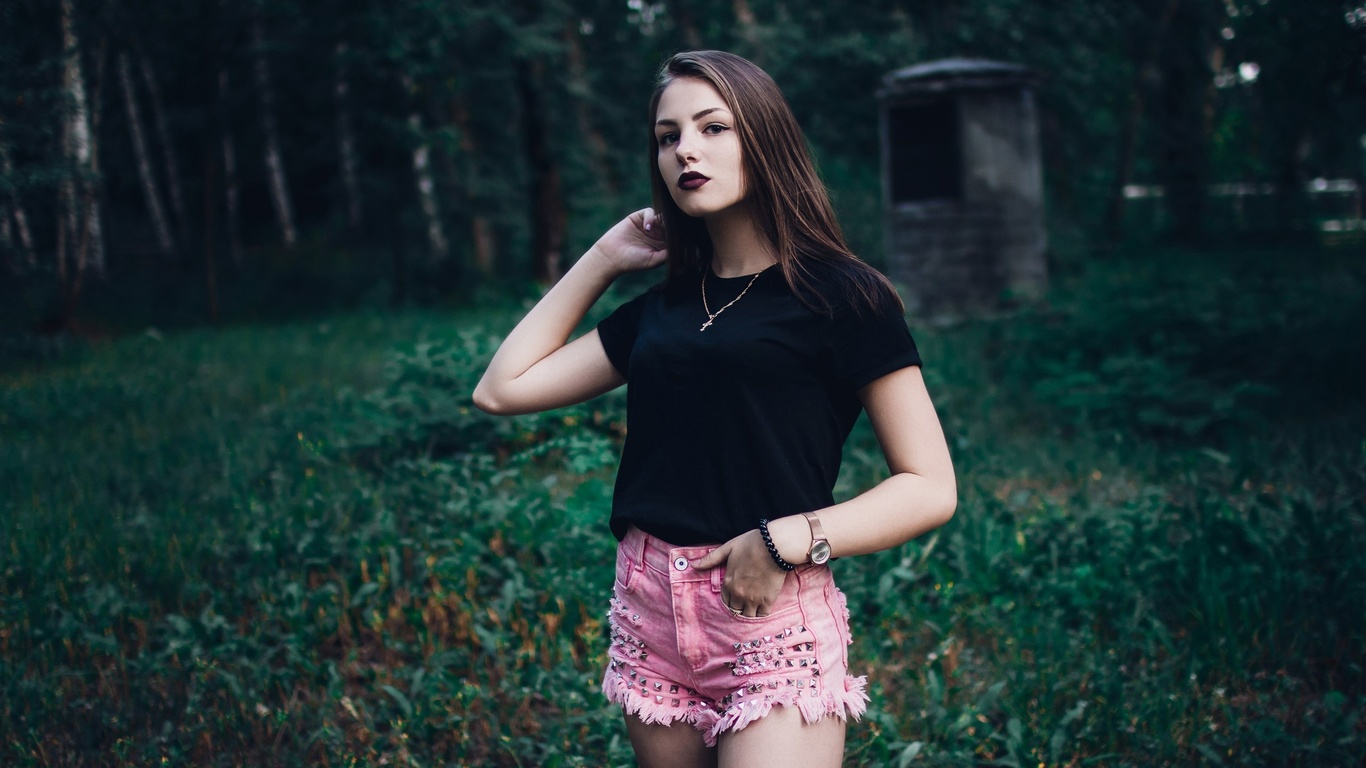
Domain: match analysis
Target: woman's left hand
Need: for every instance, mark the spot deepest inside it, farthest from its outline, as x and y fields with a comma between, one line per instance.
x=753, y=580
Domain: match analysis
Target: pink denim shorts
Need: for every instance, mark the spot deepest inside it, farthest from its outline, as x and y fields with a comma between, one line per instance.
x=677, y=652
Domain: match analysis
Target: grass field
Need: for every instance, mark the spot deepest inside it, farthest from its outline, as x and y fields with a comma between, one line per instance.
x=298, y=543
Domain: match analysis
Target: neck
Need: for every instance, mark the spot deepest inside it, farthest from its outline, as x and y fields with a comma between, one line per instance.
x=738, y=248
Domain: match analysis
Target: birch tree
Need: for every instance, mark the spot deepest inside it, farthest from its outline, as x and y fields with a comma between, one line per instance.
x=438, y=249
x=15, y=208
x=168, y=154
x=150, y=194
x=275, y=165
x=230, y=183
x=81, y=242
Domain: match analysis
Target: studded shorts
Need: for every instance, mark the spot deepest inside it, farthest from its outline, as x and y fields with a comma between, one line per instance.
x=677, y=653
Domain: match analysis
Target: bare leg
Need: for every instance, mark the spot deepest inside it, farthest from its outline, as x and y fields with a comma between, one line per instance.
x=669, y=746
x=782, y=738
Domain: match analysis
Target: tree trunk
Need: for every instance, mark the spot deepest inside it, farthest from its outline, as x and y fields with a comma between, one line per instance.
x=1290, y=205
x=687, y=26
x=7, y=238
x=230, y=186
x=481, y=231
x=168, y=154
x=1144, y=72
x=92, y=246
x=582, y=91
x=547, y=210
x=438, y=250
x=150, y=193
x=210, y=263
x=16, y=207
x=80, y=206
x=1186, y=77
x=748, y=29
x=275, y=166
x=346, y=140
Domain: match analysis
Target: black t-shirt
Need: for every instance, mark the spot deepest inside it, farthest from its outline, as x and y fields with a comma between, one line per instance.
x=747, y=419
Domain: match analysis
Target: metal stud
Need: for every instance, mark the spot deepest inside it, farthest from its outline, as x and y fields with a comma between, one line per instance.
x=676, y=702
x=673, y=689
x=659, y=699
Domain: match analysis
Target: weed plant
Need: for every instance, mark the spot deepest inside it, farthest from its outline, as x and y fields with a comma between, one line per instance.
x=301, y=545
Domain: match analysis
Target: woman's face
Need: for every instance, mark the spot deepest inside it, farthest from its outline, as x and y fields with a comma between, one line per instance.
x=698, y=148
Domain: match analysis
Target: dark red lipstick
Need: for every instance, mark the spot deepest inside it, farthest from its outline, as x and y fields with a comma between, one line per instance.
x=691, y=180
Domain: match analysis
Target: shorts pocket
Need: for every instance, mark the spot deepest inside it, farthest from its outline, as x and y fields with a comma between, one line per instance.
x=626, y=570
x=787, y=601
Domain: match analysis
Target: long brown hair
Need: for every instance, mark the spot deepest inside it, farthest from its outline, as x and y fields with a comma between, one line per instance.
x=788, y=200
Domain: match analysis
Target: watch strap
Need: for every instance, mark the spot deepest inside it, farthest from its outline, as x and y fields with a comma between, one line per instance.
x=817, y=531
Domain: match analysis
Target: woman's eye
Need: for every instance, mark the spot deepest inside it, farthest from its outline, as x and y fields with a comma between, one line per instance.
x=667, y=139
x=718, y=128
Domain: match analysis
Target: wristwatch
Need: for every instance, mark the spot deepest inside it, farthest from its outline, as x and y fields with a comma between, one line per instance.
x=819, y=552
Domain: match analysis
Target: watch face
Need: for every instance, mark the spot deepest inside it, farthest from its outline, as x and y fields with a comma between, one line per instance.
x=820, y=552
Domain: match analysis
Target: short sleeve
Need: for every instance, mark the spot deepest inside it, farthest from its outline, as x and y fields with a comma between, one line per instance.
x=868, y=343
x=618, y=331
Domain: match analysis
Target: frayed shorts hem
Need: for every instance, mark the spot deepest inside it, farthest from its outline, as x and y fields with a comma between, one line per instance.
x=711, y=723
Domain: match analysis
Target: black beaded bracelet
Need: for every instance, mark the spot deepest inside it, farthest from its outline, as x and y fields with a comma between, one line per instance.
x=772, y=549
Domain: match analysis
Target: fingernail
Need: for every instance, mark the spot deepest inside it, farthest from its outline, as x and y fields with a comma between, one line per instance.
x=647, y=226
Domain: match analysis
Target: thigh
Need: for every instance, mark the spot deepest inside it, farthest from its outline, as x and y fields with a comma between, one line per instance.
x=782, y=737
x=677, y=745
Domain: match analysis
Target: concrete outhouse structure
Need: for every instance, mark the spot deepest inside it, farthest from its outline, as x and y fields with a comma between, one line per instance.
x=962, y=186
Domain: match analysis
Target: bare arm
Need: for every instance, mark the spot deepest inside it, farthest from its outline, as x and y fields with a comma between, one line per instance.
x=534, y=369
x=920, y=495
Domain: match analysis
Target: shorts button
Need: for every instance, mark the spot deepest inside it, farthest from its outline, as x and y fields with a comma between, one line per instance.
x=681, y=563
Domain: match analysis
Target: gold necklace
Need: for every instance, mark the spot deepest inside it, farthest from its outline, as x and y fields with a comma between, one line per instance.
x=711, y=316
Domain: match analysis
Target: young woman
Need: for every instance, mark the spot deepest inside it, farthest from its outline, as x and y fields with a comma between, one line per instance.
x=747, y=366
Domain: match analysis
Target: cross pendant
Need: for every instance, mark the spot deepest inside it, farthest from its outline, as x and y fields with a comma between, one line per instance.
x=706, y=325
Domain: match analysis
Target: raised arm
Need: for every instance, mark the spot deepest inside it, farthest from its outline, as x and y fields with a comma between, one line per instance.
x=534, y=369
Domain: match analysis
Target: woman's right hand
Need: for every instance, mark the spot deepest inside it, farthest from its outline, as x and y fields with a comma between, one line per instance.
x=636, y=242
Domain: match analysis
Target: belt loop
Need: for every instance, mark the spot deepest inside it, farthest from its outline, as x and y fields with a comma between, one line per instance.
x=639, y=562
x=717, y=579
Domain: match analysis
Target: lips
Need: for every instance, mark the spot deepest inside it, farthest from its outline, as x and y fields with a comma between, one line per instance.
x=691, y=180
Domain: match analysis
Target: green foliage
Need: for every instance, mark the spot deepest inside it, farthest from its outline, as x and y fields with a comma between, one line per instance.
x=300, y=544
x=1179, y=346
x=474, y=73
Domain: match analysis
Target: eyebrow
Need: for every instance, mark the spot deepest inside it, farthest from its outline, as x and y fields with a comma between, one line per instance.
x=695, y=117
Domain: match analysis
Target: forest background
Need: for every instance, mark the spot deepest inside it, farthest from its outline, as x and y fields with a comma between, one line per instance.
x=253, y=257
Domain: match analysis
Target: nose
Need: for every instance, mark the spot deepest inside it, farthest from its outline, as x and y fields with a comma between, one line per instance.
x=683, y=149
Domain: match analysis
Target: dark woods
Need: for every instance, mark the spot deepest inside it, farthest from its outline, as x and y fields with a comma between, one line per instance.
x=180, y=161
